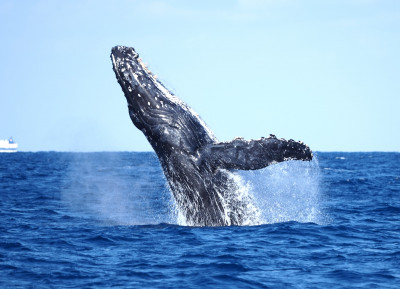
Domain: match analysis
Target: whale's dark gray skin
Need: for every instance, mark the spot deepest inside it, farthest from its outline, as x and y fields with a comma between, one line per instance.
x=198, y=167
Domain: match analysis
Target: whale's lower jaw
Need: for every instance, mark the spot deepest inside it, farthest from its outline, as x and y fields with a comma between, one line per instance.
x=195, y=164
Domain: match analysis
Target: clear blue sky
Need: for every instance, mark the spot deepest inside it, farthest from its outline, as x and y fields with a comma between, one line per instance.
x=325, y=72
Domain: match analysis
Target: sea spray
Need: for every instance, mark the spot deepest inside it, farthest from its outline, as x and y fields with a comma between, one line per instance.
x=122, y=189
x=241, y=196
x=130, y=189
x=288, y=191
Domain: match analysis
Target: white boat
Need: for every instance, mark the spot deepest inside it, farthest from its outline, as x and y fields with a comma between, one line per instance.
x=8, y=145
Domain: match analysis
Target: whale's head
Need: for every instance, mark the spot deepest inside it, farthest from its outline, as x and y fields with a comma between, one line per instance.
x=159, y=114
x=148, y=100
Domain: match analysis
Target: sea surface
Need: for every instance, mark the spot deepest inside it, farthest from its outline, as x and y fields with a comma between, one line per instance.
x=102, y=220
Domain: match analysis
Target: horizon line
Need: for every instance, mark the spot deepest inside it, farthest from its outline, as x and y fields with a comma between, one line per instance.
x=151, y=151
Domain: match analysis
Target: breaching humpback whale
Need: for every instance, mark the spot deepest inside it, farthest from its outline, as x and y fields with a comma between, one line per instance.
x=197, y=166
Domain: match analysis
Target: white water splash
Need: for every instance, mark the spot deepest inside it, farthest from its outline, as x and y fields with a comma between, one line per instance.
x=243, y=195
x=178, y=216
x=288, y=191
x=237, y=202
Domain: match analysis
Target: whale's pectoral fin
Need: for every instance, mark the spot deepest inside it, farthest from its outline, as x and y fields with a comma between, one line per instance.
x=241, y=154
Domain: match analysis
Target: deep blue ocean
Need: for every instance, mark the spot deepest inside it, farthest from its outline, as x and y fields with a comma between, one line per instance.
x=101, y=220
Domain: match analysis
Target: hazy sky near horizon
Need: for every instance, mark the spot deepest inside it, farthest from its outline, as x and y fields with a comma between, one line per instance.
x=324, y=72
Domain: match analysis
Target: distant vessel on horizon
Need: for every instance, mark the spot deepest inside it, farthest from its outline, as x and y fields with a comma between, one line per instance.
x=8, y=145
